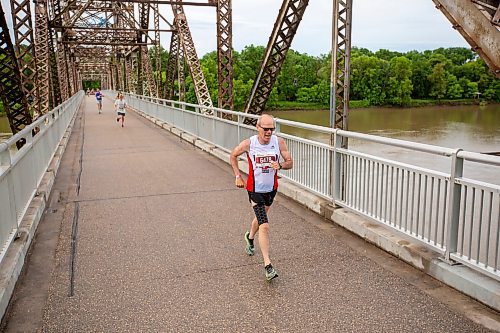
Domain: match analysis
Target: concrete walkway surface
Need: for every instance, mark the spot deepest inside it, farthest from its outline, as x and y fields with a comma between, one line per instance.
x=146, y=235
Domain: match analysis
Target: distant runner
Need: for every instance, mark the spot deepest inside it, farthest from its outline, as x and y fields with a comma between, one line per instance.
x=120, y=106
x=98, y=97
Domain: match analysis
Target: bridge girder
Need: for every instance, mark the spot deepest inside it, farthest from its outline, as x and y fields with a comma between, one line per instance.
x=11, y=93
x=478, y=23
x=68, y=34
x=281, y=38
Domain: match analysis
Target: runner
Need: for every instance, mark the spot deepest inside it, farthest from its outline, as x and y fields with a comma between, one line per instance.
x=263, y=152
x=120, y=106
x=98, y=97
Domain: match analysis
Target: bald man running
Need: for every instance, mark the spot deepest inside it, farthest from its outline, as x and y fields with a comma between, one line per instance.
x=263, y=152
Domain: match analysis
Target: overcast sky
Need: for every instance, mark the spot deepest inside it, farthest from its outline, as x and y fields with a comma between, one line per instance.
x=398, y=25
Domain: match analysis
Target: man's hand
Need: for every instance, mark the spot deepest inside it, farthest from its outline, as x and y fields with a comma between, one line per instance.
x=275, y=165
x=239, y=182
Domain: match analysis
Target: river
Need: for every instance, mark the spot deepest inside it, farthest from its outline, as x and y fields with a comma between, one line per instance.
x=473, y=128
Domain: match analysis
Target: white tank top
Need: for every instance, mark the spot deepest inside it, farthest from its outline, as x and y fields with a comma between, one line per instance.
x=262, y=177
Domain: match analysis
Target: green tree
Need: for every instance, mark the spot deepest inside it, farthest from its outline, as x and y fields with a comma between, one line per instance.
x=400, y=86
x=438, y=81
x=298, y=70
x=469, y=88
x=368, y=77
x=453, y=90
x=247, y=63
x=241, y=93
x=386, y=54
x=492, y=93
x=457, y=55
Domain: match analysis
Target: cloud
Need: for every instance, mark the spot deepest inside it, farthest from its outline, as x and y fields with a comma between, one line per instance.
x=399, y=25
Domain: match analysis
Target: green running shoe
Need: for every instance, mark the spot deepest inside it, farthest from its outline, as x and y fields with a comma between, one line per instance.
x=270, y=272
x=249, y=249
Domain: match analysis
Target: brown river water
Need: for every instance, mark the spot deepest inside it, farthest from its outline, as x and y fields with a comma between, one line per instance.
x=472, y=128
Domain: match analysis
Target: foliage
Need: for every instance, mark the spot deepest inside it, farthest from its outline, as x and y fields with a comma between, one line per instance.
x=377, y=78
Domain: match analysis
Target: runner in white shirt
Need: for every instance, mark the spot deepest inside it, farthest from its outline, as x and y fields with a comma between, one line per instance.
x=263, y=153
x=120, y=106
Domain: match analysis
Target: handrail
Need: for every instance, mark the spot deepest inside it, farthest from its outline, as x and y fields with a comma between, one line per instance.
x=427, y=204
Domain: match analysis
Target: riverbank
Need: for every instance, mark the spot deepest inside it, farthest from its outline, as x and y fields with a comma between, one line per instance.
x=415, y=103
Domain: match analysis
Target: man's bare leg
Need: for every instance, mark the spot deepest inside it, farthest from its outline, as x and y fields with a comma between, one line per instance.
x=264, y=242
x=263, y=231
x=254, y=228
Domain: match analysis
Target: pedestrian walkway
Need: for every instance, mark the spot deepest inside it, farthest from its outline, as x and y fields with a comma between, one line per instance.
x=146, y=235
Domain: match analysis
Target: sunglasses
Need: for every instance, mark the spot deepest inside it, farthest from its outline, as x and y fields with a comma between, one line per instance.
x=265, y=129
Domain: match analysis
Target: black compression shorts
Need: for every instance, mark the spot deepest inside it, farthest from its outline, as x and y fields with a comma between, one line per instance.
x=262, y=198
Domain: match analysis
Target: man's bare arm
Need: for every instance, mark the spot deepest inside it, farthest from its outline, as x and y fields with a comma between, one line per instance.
x=287, y=157
x=240, y=149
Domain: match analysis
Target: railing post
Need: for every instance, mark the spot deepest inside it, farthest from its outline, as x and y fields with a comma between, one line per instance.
x=5, y=159
x=454, y=190
x=336, y=167
x=239, y=128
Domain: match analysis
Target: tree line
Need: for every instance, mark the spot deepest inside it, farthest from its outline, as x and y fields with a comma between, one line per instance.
x=377, y=78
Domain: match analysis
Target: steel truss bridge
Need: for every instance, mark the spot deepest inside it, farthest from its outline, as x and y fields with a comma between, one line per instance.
x=55, y=45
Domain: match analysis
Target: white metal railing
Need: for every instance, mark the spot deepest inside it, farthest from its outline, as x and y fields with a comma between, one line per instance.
x=21, y=170
x=456, y=216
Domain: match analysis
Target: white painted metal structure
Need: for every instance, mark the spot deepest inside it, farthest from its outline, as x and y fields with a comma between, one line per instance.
x=457, y=216
x=21, y=171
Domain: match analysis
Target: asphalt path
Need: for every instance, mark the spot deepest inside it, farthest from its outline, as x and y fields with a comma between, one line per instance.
x=145, y=234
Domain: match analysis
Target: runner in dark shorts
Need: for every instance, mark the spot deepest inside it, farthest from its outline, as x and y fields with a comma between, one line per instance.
x=263, y=152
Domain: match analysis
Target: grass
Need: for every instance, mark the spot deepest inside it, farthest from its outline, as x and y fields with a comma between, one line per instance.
x=357, y=104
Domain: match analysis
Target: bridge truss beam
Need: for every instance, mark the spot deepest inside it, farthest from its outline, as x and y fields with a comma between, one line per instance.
x=471, y=20
x=11, y=93
x=286, y=25
x=341, y=55
x=187, y=43
x=225, y=54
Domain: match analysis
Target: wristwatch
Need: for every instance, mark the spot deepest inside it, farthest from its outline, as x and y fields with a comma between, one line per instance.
x=280, y=166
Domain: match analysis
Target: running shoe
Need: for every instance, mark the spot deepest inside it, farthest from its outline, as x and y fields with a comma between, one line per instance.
x=249, y=249
x=270, y=272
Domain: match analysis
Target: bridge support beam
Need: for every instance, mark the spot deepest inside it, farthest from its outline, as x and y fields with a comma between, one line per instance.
x=477, y=30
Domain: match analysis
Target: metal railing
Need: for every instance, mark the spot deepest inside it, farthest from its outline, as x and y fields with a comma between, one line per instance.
x=21, y=170
x=456, y=216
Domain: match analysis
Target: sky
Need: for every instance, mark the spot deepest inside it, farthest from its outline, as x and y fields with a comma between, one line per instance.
x=397, y=25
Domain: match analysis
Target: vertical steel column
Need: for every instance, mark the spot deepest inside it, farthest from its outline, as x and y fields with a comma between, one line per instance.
x=156, y=12
x=148, y=70
x=42, y=53
x=341, y=56
x=181, y=77
x=55, y=87
x=11, y=93
x=172, y=65
x=225, y=55
x=139, y=90
x=25, y=51
x=128, y=73
x=112, y=76
x=63, y=70
x=71, y=72
x=340, y=83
